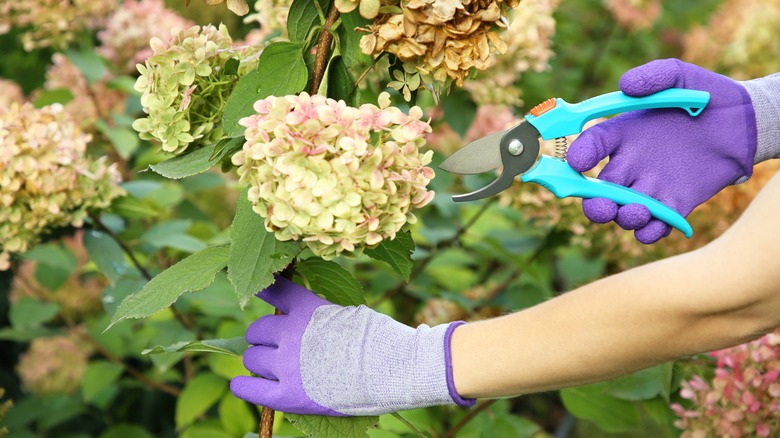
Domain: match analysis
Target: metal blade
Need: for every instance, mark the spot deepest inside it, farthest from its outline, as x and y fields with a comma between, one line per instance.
x=479, y=156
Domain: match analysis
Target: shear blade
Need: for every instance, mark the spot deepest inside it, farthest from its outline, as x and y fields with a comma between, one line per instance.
x=479, y=156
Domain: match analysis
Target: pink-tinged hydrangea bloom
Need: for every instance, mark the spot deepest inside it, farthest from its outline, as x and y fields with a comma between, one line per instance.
x=742, y=398
x=10, y=92
x=337, y=177
x=184, y=88
x=53, y=22
x=124, y=41
x=53, y=365
x=635, y=15
x=46, y=181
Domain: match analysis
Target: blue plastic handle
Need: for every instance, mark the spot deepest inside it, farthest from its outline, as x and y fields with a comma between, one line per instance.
x=558, y=177
x=565, y=118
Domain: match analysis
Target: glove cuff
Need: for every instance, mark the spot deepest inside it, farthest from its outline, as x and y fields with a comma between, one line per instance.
x=765, y=95
x=460, y=401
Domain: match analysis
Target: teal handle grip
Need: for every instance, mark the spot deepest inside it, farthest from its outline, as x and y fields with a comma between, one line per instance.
x=558, y=177
x=566, y=118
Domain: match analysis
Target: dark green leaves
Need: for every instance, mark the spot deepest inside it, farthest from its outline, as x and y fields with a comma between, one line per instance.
x=107, y=255
x=281, y=71
x=198, y=396
x=255, y=254
x=182, y=166
x=229, y=346
x=340, y=82
x=333, y=427
x=349, y=42
x=397, y=253
x=331, y=280
x=303, y=16
x=189, y=275
x=459, y=110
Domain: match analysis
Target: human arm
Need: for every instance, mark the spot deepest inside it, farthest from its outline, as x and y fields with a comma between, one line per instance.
x=718, y=296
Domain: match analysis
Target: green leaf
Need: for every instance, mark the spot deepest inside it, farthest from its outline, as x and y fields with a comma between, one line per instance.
x=29, y=313
x=341, y=83
x=608, y=413
x=186, y=165
x=25, y=334
x=124, y=139
x=332, y=427
x=235, y=415
x=133, y=208
x=349, y=42
x=459, y=110
x=126, y=430
x=333, y=281
x=302, y=17
x=173, y=234
x=189, y=275
x=197, y=397
x=55, y=264
x=107, y=255
x=255, y=254
x=397, y=253
x=643, y=385
x=98, y=376
x=230, y=346
x=48, y=97
x=281, y=71
x=90, y=64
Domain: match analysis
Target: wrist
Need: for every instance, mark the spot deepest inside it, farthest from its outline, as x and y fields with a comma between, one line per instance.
x=448, y=357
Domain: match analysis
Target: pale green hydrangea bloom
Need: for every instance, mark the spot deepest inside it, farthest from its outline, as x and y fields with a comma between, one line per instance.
x=184, y=87
x=336, y=177
x=46, y=181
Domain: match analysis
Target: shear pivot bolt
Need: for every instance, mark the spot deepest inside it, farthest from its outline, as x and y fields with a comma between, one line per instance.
x=515, y=147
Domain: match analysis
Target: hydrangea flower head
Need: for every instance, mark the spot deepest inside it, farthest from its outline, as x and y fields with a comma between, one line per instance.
x=46, y=181
x=743, y=398
x=53, y=365
x=337, y=177
x=184, y=89
x=443, y=39
x=124, y=41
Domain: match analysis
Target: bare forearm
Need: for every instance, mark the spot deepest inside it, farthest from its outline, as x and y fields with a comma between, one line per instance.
x=708, y=299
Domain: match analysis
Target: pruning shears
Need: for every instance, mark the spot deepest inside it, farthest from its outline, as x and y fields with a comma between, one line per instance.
x=517, y=150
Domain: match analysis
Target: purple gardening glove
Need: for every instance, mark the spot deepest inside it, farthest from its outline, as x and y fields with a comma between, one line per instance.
x=325, y=359
x=677, y=159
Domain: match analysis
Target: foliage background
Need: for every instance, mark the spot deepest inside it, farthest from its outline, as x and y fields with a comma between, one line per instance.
x=67, y=377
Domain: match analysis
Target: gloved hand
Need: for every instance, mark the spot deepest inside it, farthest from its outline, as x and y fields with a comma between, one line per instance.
x=665, y=153
x=325, y=359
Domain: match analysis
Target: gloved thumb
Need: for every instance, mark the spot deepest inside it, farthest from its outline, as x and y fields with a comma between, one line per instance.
x=653, y=77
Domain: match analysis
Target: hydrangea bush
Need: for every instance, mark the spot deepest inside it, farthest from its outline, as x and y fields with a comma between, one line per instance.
x=302, y=145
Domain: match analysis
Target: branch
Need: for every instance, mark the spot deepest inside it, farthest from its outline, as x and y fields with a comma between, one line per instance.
x=96, y=219
x=473, y=413
x=323, y=49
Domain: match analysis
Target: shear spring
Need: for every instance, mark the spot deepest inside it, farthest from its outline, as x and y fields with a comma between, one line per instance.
x=561, y=147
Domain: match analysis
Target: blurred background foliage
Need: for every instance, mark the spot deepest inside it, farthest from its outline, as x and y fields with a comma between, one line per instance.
x=65, y=377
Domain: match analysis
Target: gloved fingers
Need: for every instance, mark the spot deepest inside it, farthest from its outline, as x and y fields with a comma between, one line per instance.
x=654, y=231
x=653, y=77
x=599, y=210
x=285, y=295
x=262, y=361
x=257, y=390
x=267, y=330
x=633, y=216
x=595, y=144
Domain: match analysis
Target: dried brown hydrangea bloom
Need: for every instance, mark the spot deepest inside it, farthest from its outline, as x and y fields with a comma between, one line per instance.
x=443, y=39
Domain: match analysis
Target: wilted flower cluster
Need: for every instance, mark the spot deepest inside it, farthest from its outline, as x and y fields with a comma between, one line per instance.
x=46, y=181
x=528, y=41
x=124, y=40
x=90, y=101
x=443, y=39
x=337, y=177
x=742, y=399
x=740, y=39
x=634, y=15
x=185, y=86
x=53, y=365
x=53, y=22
